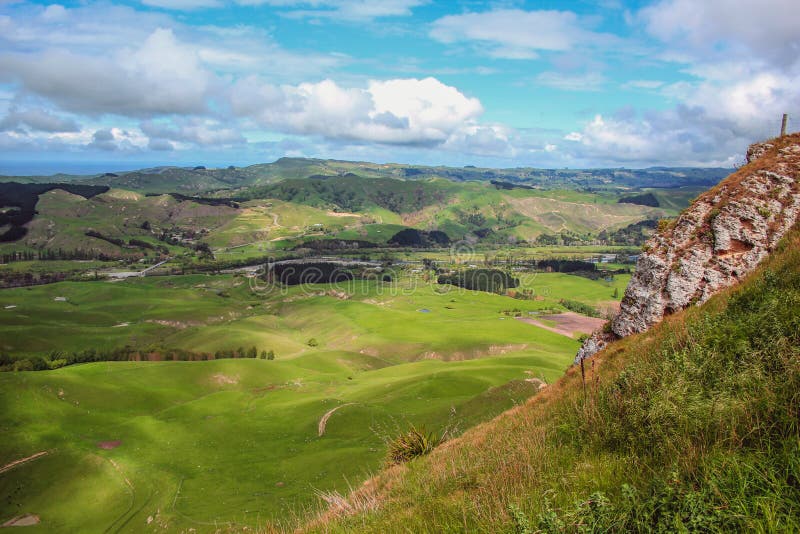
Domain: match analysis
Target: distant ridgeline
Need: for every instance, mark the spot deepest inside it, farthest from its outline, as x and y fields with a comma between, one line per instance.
x=18, y=203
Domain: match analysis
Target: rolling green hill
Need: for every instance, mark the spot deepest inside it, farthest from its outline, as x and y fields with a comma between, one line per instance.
x=236, y=443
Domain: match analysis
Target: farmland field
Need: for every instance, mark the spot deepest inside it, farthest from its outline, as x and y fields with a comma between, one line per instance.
x=237, y=441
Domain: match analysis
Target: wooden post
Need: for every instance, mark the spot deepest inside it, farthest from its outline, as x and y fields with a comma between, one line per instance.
x=783, y=124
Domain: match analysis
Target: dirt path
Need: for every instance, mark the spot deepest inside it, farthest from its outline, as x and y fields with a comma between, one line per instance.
x=12, y=465
x=324, y=421
x=567, y=323
x=27, y=520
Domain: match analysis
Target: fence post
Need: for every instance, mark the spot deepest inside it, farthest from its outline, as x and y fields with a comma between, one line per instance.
x=783, y=124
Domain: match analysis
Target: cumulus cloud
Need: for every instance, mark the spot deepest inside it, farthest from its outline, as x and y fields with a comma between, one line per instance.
x=37, y=119
x=399, y=111
x=744, y=59
x=162, y=75
x=518, y=34
x=687, y=136
x=198, y=131
x=764, y=29
x=104, y=140
x=115, y=139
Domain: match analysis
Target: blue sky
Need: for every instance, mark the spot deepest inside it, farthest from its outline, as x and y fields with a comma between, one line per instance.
x=506, y=83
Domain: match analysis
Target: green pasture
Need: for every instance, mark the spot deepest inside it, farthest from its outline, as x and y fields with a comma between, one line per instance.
x=234, y=443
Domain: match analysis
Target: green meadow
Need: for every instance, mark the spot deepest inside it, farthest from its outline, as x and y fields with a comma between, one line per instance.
x=236, y=443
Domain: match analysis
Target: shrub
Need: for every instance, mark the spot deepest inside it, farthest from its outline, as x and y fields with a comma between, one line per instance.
x=312, y=342
x=414, y=443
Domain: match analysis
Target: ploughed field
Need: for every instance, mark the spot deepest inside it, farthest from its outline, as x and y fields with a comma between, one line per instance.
x=137, y=446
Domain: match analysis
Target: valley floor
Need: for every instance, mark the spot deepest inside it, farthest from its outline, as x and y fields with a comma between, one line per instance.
x=251, y=442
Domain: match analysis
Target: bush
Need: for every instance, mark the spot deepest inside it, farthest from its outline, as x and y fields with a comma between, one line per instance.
x=412, y=444
x=312, y=342
x=490, y=280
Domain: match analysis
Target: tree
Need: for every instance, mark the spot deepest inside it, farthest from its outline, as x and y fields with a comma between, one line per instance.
x=263, y=355
x=271, y=355
x=252, y=352
x=616, y=293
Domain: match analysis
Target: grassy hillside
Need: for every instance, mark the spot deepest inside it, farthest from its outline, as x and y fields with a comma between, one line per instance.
x=692, y=426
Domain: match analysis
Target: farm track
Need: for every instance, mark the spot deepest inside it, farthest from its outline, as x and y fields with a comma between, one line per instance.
x=323, y=422
x=16, y=463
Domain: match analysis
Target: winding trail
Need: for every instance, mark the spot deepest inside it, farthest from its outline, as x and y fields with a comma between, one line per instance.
x=15, y=463
x=323, y=422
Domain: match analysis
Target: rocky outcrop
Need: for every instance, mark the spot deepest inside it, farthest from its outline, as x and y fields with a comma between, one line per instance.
x=715, y=242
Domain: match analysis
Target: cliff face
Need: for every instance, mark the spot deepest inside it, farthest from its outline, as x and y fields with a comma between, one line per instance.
x=720, y=238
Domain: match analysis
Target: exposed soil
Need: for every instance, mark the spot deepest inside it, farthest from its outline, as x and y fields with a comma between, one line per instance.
x=26, y=520
x=222, y=380
x=342, y=214
x=567, y=323
x=108, y=445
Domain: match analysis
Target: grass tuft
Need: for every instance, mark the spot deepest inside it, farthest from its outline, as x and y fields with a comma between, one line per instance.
x=412, y=444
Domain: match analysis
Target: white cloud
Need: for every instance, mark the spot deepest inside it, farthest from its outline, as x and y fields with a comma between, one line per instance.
x=162, y=75
x=518, y=34
x=764, y=29
x=202, y=132
x=400, y=111
x=744, y=61
x=115, y=139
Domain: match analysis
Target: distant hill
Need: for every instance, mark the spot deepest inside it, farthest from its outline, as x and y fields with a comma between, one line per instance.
x=192, y=180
